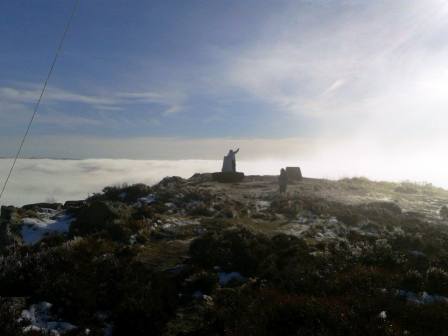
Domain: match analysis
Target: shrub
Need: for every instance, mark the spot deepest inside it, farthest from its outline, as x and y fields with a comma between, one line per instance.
x=233, y=249
x=412, y=281
x=437, y=281
x=103, y=217
x=10, y=309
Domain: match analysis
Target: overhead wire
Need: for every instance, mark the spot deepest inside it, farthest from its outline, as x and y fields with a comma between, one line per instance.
x=39, y=100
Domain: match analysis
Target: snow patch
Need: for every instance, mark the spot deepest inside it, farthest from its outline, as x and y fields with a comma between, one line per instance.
x=174, y=222
x=421, y=298
x=151, y=198
x=262, y=205
x=47, y=223
x=40, y=320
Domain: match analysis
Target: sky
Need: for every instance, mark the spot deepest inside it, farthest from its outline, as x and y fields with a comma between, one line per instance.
x=354, y=81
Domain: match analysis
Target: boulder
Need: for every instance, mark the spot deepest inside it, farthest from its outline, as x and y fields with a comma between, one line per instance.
x=228, y=177
x=170, y=184
x=74, y=204
x=294, y=174
x=171, y=181
x=38, y=206
x=200, y=178
x=8, y=212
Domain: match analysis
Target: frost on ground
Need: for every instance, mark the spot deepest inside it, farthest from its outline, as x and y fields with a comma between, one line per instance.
x=197, y=257
x=143, y=200
x=46, y=223
x=421, y=298
x=38, y=319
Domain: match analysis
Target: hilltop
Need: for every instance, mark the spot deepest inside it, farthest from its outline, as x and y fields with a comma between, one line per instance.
x=197, y=257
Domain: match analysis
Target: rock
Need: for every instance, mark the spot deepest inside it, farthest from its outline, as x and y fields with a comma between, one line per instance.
x=294, y=174
x=38, y=206
x=172, y=182
x=74, y=204
x=228, y=177
x=200, y=178
x=8, y=212
x=444, y=212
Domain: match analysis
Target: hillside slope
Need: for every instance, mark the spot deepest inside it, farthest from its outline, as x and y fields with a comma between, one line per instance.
x=196, y=257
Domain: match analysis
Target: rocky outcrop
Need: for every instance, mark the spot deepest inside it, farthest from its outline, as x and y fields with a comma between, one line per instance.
x=294, y=174
x=8, y=213
x=74, y=204
x=228, y=177
x=39, y=206
x=200, y=178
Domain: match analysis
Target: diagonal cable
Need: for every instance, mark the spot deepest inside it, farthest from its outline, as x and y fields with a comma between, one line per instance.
x=44, y=88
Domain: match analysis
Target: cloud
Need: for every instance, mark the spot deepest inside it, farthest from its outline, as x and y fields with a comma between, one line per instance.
x=37, y=180
x=73, y=121
x=371, y=76
x=23, y=95
x=30, y=93
x=376, y=68
x=172, y=100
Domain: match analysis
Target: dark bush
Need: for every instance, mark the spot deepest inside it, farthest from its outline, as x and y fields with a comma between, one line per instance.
x=233, y=249
x=124, y=193
x=103, y=217
x=437, y=281
x=412, y=281
x=10, y=309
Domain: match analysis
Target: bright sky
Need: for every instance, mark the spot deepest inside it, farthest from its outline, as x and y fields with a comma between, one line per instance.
x=355, y=80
